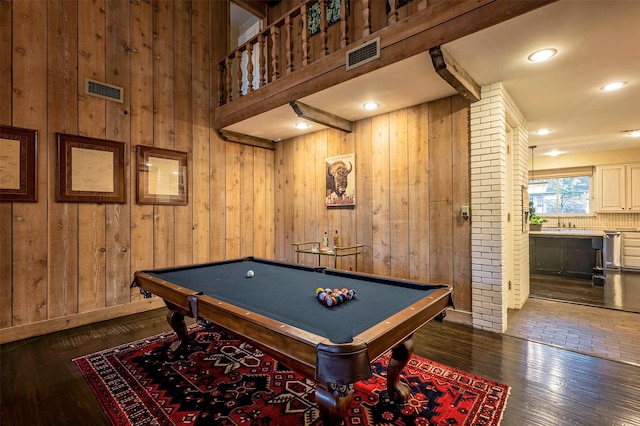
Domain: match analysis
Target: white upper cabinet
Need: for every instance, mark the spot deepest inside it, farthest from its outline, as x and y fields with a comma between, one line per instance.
x=633, y=187
x=618, y=188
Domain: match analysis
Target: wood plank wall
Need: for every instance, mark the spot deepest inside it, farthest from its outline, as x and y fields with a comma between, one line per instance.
x=66, y=260
x=412, y=177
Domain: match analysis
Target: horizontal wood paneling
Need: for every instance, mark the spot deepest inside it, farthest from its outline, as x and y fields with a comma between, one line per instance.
x=412, y=176
x=69, y=260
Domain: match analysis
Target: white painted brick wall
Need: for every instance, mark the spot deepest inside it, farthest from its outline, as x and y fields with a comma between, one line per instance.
x=488, y=198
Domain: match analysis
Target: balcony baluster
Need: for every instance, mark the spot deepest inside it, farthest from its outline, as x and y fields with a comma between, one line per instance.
x=305, y=34
x=344, y=24
x=249, y=67
x=288, y=23
x=262, y=53
x=275, y=60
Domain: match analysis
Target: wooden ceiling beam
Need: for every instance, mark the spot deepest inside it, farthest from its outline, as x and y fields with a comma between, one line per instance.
x=247, y=140
x=451, y=72
x=321, y=117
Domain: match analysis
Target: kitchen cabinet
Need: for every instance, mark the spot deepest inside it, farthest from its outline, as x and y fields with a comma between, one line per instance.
x=631, y=250
x=618, y=188
x=561, y=255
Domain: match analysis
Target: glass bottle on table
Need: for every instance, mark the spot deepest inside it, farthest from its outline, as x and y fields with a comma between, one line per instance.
x=325, y=241
x=336, y=240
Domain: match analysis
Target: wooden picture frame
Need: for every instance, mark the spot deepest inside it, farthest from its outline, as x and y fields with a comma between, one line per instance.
x=18, y=164
x=90, y=170
x=162, y=176
x=340, y=174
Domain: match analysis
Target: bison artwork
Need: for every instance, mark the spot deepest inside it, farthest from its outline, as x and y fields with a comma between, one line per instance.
x=340, y=181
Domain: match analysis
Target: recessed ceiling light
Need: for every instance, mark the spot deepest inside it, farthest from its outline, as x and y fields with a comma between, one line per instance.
x=543, y=132
x=554, y=153
x=609, y=87
x=370, y=106
x=542, y=55
x=301, y=125
x=631, y=133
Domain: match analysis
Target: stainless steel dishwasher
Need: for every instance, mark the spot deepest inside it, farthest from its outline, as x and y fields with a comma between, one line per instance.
x=612, y=250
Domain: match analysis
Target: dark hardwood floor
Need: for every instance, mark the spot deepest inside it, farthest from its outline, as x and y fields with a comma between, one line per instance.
x=40, y=385
x=621, y=290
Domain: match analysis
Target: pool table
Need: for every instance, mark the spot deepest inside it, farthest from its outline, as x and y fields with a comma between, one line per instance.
x=278, y=311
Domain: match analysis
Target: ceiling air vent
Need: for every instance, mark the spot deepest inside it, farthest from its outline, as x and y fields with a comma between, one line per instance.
x=103, y=90
x=363, y=54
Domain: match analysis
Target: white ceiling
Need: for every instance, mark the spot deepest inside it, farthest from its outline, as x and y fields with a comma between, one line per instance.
x=598, y=41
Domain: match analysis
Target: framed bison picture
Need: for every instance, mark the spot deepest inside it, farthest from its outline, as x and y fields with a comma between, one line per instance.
x=341, y=181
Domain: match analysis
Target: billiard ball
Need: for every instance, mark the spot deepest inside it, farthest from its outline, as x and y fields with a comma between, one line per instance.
x=249, y=273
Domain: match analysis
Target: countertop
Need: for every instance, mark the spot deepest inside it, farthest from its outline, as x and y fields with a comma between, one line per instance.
x=569, y=232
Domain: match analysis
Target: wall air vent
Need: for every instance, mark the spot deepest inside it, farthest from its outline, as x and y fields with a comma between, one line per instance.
x=363, y=54
x=103, y=90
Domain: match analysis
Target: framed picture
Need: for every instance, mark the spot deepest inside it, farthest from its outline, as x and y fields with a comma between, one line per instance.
x=90, y=170
x=18, y=162
x=341, y=181
x=332, y=10
x=162, y=176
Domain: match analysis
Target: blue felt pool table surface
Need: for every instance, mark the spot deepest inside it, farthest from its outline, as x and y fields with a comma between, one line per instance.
x=287, y=293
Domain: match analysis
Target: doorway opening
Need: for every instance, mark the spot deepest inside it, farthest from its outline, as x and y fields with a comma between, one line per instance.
x=244, y=26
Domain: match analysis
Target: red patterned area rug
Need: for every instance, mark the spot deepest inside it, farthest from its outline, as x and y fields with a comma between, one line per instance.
x=220, y=380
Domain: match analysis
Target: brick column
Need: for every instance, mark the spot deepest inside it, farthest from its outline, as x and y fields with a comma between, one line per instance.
x=488, y=203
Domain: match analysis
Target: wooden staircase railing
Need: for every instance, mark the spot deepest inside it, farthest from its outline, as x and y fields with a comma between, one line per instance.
x=286, y=46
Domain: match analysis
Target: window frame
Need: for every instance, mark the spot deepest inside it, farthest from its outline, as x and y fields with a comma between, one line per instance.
x=587, y=171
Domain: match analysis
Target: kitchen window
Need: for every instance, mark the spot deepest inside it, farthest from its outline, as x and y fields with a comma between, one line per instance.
x=562, y=191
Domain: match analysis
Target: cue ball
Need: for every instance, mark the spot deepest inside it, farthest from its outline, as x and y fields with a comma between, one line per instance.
x=249, y=273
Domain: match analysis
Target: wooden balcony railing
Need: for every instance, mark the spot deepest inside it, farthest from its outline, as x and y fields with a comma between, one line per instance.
x=284, y=63
x=287, y=46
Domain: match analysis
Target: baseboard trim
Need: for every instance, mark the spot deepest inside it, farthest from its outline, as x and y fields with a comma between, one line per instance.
x=460, y=317
x=70, y=321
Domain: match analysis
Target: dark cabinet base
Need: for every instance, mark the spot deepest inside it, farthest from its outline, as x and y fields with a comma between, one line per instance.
x=563, y=256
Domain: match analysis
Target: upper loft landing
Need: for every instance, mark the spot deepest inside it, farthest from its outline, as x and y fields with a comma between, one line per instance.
x=311, y=47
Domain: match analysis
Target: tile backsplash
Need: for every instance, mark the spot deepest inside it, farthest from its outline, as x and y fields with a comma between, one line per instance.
x=605, y=221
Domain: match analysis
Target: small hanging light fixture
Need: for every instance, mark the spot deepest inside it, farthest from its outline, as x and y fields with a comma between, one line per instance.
x=536, y=187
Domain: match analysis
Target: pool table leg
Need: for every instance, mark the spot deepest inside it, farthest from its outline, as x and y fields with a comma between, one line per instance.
x=400, y=356
x=333, y=403
x=176, y=321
